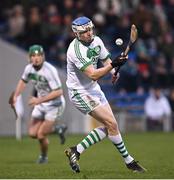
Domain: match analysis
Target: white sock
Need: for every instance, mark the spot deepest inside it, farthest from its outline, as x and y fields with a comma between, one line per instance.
x=119, y=144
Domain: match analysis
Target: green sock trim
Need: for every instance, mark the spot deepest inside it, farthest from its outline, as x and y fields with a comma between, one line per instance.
x=122, y=152
x=97, y=135
x=120, y=147
x=89, y=142
x=93, y=138
x=84, y=145
x=125, y=155
x=119, y=143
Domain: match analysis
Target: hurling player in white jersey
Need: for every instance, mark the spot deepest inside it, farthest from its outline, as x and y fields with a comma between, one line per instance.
x=85, y=93
x=49, y=104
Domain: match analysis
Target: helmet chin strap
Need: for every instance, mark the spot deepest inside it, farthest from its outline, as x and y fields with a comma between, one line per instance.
x=77, y=35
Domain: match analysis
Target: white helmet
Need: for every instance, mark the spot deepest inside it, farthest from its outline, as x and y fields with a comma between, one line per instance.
x=81, y=24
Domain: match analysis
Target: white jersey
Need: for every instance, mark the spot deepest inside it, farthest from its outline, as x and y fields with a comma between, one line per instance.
x=79, y=56
x=45, y=80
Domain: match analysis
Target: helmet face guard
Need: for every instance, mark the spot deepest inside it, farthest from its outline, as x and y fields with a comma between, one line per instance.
x=82, y=24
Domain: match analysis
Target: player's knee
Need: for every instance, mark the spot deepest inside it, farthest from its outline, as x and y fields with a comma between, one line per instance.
x=112, y=125
x=41, y=135
x=32, y=134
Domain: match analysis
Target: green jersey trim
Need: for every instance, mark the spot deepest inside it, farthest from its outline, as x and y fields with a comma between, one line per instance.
x=85, y=66
x=78, y=53
x=82, y=102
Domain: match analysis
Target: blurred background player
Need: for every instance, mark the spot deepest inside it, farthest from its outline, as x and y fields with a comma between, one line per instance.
x=58, y=128
x=85, y=93
x=49, y=104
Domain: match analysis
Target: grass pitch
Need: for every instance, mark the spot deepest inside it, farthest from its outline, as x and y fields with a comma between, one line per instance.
x=153, y=150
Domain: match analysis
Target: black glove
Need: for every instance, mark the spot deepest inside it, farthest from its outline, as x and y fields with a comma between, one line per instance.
x=119, y=61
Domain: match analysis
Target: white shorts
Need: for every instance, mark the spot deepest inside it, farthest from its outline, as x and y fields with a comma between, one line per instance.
x=87, y=100
x=50, y=113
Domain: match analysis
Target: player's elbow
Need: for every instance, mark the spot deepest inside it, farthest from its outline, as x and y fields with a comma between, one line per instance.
x=94, y=77
x=91, y=73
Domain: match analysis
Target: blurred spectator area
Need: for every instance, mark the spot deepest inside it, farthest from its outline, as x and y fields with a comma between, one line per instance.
x=151, y=59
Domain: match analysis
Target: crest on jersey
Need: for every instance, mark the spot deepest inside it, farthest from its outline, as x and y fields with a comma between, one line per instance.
x=92, y=103
x=93, y=52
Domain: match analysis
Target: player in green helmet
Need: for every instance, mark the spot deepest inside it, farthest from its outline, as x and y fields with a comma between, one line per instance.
x=48, y=105
x=36, y=50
